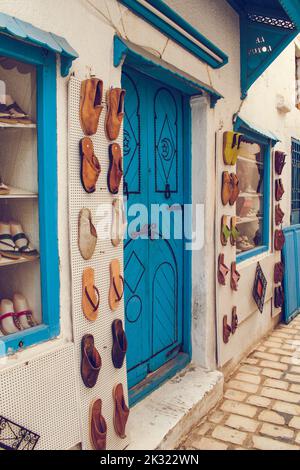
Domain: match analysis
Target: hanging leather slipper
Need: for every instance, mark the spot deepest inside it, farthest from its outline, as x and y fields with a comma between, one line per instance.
x=90, y=295
x=119, y=348
x=278, y=272
x=91, y=96
x=235, y=189
x=225, y=230
x=90, y=361
x=234, y=233
x=222, y=270
x=9, y=323
x=115, y=112
x=226, y=188
x=116, y=290
x=279, y=190
x=90, y=166
x=279, y=240
x=121, y=411
x=280, y=161
x=118, y=222
x=234, y=320
x=231, y=145
x=115, y=171
x=87, y=235
x=279, y=215
x=279, y=297
x=226, y=330
x=235, y=277
x=98, y=426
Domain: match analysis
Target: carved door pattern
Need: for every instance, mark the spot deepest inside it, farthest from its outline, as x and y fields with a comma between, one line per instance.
x=153, y=174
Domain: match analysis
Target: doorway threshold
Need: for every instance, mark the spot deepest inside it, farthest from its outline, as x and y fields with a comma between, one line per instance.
x=163, y=418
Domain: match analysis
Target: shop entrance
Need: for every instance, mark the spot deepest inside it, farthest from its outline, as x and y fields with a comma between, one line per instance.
x=154, y=263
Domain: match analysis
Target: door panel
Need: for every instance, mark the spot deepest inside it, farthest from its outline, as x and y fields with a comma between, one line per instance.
x=153, y=174
x=292, y=272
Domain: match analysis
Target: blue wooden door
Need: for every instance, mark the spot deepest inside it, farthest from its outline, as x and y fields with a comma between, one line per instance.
x=291, y=260
x=153, y=176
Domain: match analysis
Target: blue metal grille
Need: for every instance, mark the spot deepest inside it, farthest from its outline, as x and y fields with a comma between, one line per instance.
x=295, y=219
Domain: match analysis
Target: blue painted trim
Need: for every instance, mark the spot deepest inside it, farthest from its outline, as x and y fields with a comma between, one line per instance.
x=24, y=31
x=124, y=51
x=292, y=8
x=257, y=136
x=216, y=59
x=261, y=135
x=136, y=395
x=48, y=192
x=288, y=315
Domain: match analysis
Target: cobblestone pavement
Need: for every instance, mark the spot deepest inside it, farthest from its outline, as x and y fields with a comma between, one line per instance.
x=261, y=405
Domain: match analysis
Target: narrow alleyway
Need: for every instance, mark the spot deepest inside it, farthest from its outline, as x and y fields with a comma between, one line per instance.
x=261, y=406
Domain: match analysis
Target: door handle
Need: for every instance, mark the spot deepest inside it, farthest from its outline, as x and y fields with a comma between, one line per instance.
x=167, y=191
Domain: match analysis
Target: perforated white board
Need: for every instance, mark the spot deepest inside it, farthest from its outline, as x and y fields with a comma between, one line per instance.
x=100, y=262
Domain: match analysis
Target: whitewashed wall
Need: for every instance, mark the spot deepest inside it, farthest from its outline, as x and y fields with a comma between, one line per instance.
x=89, y=26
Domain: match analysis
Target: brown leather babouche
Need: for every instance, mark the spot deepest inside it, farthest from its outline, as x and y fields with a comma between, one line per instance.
x=115, y=112
x=91, y=95
x=90, y=361
x=98, y=427
x=121, y=411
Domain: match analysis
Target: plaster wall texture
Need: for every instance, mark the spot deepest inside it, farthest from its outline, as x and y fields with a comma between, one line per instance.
x=89, y=26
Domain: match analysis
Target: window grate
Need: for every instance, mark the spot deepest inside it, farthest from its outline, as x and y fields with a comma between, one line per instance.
x=295, y=181
x=269, y=20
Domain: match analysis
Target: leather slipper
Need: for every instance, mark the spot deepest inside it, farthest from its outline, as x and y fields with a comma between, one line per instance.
x=119, y=348
x=226, y=188
x=91, y=362
x=87, y=234
x=121, y=411
x=98, y=426
x=91, y=96
x=226, y=330
x=115, y=112
x=90, y=295
x=235, y=277
x=116, y=290
x=115, y=171
x=118, y=222
x=234, y=233
x=222, y=270
x=235, y=189
x=225, y=230
x=90, y=166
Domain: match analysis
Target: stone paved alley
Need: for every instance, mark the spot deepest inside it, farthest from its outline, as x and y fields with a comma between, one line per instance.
x=261, y=405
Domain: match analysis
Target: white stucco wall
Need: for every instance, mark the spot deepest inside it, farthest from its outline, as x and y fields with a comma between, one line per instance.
x=89, y=26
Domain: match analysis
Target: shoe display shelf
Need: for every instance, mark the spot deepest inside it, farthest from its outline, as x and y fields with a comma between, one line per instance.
x=19, y=171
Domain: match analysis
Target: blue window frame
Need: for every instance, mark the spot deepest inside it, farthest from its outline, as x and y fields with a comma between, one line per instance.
x=295, y=210
x=45, y=64
x=262, y=244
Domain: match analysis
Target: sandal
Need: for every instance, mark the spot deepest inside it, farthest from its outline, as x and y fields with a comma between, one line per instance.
x=22, y=243
x=279, y=297
x=90, y=295
x=235, y=277
x=279, y=240
x=280, y=162
x=116, y=290
x=91, y=362
x=115, y=171
x=9, y=324
x=16, y=112
x=225, y=231
x=3, y=188
x=279, y=190
x=23, y=312
x=279, y=215
x=90, y=166
x=278, y=272
x=119, y=348
x=222, y=270
x=8, y=248
x=118, y=222
x=234, y=233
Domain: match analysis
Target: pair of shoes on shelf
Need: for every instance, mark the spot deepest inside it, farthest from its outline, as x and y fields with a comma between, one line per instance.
x=244, y=244
x=4, y=189
x=11, y=113
x=15, y=315
x=14, y=243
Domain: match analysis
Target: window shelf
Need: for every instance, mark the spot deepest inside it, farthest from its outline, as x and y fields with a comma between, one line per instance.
x=4, y=125
x=244, y=194
x=250, y=161
x=17, y=193
x=12, y=262
x=247, y=220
